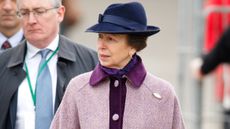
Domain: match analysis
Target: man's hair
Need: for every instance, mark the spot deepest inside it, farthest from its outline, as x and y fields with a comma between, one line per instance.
x=55, y=3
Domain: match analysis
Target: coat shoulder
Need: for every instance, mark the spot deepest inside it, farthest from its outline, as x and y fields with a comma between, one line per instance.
x=77, y=46
x=81, y=52
x=80, y=81
x=160, y=86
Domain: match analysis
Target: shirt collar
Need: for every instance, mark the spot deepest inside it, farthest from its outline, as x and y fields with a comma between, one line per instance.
x=32, y=50
x=13, y=40
x=136, y=76
x=16, y=38
x=3, y=38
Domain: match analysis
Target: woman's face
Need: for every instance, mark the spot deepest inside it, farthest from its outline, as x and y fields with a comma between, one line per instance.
x=113, y=50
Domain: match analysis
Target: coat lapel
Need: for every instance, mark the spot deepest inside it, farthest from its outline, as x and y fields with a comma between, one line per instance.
x=65, y=55
x=61, y=82
x=13, y=76
x=15, y=70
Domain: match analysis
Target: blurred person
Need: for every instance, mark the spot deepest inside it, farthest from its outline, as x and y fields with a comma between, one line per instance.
x=119, y=92
x=216, y=22
x=209, y=62
x=72, y=15
x=34, y=74
x=10, y=27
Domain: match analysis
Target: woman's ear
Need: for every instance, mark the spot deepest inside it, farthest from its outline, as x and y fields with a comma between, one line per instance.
x=132, y=52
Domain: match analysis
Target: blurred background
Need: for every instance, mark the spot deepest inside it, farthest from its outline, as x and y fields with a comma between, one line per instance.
x=189, y=28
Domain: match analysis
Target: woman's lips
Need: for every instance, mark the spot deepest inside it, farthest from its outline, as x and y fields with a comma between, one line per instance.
x=103, y=56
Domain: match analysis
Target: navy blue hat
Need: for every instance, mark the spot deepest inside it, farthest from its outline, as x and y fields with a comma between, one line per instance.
x=126, y=18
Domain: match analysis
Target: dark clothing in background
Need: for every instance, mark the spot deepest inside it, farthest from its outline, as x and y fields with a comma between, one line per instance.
x=219, y=54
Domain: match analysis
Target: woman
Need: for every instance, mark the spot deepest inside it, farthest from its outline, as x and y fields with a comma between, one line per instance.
x=119, y=93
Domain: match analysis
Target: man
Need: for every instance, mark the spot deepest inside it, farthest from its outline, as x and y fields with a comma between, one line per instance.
x=32, y=84
x=72, y=15
x=10, y=28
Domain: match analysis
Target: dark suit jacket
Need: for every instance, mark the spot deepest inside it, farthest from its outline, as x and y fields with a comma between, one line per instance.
x=73, y=59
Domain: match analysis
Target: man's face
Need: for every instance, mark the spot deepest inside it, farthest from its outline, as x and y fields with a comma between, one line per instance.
x=40, y=21
x=8, y=17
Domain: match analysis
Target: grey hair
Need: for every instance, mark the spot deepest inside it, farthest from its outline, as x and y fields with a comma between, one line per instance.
x=55, y=3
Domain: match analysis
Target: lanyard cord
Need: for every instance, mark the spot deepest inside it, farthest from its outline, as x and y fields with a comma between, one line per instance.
x=33, y=94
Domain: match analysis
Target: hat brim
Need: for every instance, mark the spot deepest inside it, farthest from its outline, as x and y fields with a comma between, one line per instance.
x=116, y=29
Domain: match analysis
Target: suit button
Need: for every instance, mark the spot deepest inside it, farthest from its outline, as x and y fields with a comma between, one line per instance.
x=116, y=83
x=115, y=117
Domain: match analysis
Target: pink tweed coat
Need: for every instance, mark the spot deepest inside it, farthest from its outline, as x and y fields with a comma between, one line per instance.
x=154, y=105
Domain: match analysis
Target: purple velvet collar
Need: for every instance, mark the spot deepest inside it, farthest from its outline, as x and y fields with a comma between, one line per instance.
x=118, y=73
x=136, y=74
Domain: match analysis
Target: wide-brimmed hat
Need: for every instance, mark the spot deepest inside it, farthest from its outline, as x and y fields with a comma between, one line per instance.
x=124, y=18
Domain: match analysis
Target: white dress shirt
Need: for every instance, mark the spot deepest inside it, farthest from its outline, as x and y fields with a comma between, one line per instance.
x=25, y=117
x=13, y=40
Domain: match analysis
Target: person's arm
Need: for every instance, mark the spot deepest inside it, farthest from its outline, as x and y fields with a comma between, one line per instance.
x=219, y=54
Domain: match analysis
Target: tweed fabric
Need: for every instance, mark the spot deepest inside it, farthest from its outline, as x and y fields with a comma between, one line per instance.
x=87, y=107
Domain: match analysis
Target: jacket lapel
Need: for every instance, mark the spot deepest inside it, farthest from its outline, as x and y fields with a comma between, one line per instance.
x=16, y=74
x=65, y=55
x=15, y=69
x=61, y=82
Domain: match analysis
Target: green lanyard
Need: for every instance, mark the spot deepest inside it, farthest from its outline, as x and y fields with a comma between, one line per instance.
x=33, y=94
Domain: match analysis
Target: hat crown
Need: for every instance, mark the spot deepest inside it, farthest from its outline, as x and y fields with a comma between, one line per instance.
x=133, y=11
x=124, y=18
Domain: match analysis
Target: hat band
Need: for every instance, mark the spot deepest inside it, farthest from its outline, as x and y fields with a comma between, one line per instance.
x=126, y=23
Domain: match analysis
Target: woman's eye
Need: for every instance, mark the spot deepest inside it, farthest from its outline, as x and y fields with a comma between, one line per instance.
x=110, y=39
